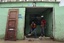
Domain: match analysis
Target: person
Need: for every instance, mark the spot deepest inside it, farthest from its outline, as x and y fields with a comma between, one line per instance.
x=43, y=24
x=33, y=29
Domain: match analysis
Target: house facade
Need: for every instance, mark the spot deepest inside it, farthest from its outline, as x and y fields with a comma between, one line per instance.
x=53, y=13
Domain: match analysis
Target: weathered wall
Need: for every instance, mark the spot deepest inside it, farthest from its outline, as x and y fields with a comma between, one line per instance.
x=3, y=21
x=15, y=4
x=58, y=14
x=59, y=22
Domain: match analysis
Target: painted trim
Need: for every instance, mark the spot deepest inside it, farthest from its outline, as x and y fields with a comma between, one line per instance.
x=32, y=2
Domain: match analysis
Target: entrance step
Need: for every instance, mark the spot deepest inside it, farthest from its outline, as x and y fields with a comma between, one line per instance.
x=36, y=39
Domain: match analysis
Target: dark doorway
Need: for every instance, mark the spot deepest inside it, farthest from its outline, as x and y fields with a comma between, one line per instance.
x=35, y=14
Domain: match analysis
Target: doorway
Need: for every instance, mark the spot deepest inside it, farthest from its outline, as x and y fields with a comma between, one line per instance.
x=35, y=14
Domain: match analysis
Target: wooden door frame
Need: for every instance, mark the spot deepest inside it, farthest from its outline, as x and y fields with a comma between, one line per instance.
x=8, y=20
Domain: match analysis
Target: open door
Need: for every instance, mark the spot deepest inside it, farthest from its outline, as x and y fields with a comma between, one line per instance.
x=12, y=21
x=35, y=15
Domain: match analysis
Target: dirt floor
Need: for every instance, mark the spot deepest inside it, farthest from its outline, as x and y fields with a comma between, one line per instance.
x=32, y=40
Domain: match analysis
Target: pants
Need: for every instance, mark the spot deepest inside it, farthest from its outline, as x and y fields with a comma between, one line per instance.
x=42, y=31
x=33, y=31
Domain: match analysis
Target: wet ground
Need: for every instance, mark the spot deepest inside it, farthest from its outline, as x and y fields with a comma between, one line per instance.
x=32, y=40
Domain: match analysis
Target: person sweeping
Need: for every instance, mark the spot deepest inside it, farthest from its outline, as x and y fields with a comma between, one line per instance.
x=33, y=29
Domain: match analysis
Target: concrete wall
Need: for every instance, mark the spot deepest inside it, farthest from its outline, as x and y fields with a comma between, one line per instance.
x=58, y=15
x=3, y=22
x=59, y=22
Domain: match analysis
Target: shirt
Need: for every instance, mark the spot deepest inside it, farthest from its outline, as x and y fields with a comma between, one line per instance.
x=43, y=22
x=33, y=25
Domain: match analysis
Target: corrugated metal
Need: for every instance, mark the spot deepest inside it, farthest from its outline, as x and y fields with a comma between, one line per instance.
x=26, y=0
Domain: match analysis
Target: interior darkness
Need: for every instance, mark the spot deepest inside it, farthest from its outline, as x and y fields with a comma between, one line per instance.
x=34, y=14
